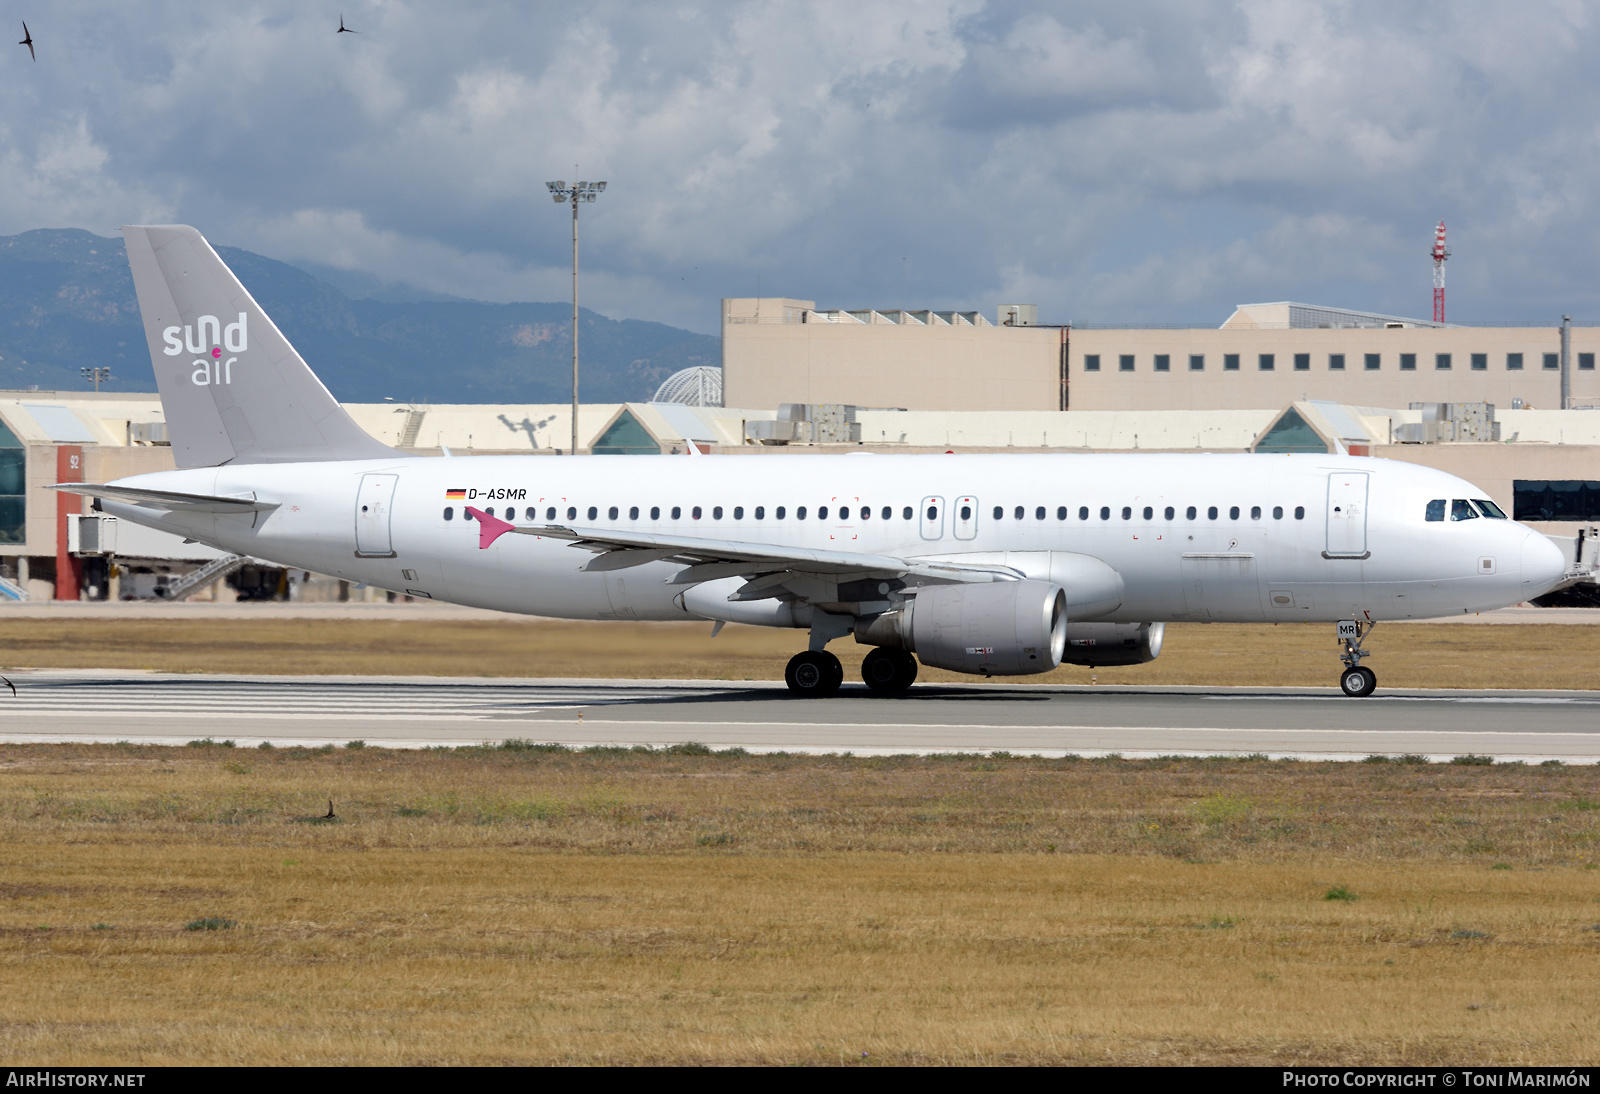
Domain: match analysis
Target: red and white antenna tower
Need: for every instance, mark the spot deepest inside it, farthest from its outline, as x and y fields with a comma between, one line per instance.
x=1440, y=253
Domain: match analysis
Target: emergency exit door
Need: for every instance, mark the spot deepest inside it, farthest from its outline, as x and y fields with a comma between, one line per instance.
x=374, y=506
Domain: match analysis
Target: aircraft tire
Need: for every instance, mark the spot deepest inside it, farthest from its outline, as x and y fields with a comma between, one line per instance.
x=888, y=671
x=1358, y=682
x=813, y=674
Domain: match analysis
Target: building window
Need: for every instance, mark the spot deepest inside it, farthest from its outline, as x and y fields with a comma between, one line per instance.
x=1372, y=362
x=1163, y=362
x=1230, y=362
x=1538, y=499
x=1125, y=363
x=1265, y=362
x=1552, y=360
x=1441, y=361
x=1480, y=362
x=1408, y=362
x=1197, y=362
x=1586, y=361
x=1302, y=362
x=1091, y=362
x=1336, y=362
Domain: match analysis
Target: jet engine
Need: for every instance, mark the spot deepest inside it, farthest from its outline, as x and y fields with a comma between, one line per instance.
x=1098, y=645
x=1001, y=628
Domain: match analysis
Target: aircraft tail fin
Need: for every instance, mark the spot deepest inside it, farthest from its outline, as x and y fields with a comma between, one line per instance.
x=234, y=389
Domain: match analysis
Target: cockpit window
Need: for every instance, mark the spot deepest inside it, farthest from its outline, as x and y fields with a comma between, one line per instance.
x=1436, y=509
x=1461, y=509
x=1490, y=509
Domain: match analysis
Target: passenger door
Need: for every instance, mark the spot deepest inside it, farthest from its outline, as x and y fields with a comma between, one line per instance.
x=1347, y=515
x=374, y=511
x=932, y=517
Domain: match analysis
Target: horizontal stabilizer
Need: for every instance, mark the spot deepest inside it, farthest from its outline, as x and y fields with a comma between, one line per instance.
x=169, y=499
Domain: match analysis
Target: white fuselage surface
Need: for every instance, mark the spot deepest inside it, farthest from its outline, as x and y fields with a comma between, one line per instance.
x=1237, y=538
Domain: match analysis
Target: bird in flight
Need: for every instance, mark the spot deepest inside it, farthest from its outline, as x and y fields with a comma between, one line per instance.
x=27, y=40
x=342, y=28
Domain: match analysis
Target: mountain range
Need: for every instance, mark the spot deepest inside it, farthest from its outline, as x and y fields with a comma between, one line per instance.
x=67, y=302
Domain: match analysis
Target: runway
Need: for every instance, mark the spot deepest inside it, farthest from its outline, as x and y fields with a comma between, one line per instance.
x=413, y=712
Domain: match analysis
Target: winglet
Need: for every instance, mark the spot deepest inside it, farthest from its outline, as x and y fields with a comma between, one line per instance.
x=489, y=528
x=693, y=449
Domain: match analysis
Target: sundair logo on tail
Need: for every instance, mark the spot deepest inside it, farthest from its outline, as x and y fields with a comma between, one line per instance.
x=208, y=336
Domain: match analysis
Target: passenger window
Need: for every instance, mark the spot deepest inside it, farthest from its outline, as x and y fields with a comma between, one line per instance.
x=677, y=512
x=779, y=512
x=1017, y=512
x=1105, y=512
x=866, y=512
x=966, y=512
x=1148, y=512
x=1189, y=512
x=550, y=513
x=611, y=514
x=655, y=512
x=998, y=512
x=1460, y=509
x=822, y=512
x=1211, y=513
x=738, y=512
x=933, y=512
x=907, y=514
x=1083, y=512
x=1277, y=512
x=1255, y=512
x=800, y=513
x=887, y=512
x=716, y=512
x=761, y=512
x=572, y=512
x=633, y=512
x=1061, y=512
x=1169, y=513
x=593, y=512
x=1127, y=512
x=1233, y=513
x=449, y=513
x=1299, y=512
x=695, y=512
x=1038, y=514
x=1490, y=509
x=1436, y=509
x=466, y=514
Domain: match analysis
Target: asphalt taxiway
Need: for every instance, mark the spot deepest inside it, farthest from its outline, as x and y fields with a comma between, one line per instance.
x=413, y=712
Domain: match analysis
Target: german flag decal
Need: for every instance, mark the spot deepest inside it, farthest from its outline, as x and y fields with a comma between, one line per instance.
x=455, y=495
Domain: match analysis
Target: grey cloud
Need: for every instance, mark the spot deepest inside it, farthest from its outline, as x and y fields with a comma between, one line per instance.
x=1154, y=161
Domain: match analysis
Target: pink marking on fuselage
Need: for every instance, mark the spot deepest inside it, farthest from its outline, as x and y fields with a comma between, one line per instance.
x=489, y=528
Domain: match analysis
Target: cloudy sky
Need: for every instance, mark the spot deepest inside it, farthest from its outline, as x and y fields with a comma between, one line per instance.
x=1123, y=161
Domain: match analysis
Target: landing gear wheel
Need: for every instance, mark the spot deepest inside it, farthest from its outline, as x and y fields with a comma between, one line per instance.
x=888, y=671
x=1358, y=682
x=813, y=674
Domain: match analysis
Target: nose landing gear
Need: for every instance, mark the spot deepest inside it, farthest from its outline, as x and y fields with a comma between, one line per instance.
x=1356, y=681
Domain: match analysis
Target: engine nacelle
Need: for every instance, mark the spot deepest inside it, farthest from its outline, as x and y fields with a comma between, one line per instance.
x=1001, y=628
x=1099, y=645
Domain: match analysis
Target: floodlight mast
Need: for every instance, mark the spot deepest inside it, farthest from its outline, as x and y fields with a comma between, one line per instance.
x=578, y=191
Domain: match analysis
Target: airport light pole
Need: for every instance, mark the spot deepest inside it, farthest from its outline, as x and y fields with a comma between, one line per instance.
x=577, y=192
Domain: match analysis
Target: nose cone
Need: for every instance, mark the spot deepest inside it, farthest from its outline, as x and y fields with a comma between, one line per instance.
x=1543, y=566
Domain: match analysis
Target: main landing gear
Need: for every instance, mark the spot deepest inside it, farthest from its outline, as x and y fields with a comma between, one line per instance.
x=1356, y=681
x=817, y=674
x=813, y=674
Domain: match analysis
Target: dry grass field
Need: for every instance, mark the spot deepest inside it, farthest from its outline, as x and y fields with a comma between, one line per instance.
x=1404, y=655
x=517, y=904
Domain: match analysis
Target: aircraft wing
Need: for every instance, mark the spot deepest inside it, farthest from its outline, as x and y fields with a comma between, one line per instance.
x=711, y=559
x=169, y=499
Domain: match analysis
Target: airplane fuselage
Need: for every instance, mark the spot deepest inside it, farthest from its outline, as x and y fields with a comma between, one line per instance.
x=1236, y=538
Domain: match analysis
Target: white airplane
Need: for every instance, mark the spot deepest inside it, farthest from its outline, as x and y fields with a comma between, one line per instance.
x=996, y=565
